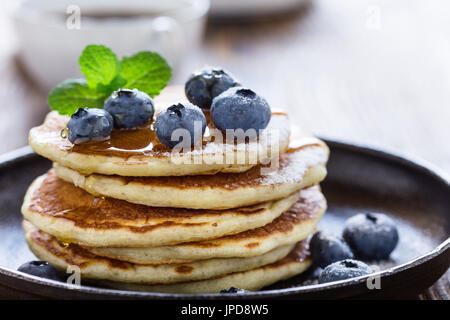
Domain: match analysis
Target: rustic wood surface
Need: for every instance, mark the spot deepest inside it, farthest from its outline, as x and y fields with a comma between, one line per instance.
x=374, y=72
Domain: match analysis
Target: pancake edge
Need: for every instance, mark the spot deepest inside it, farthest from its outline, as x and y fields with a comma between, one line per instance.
x=251, y=280
x=47, y=248
x=67, y=230
x=163, y=196
x=226, y=248
x=147, y=165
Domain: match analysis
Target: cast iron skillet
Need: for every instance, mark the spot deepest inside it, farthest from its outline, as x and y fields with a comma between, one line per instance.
x=359, y=180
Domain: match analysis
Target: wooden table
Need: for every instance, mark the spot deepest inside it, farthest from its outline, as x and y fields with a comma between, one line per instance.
x=375, y=72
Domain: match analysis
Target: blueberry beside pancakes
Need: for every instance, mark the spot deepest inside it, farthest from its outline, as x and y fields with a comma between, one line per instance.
x=344, y=269
x=372, y=236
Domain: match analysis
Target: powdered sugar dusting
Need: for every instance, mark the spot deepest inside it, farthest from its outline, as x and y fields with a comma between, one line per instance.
x=294, y=165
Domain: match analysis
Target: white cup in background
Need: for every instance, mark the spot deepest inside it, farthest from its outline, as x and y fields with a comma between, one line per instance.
x=51, y=42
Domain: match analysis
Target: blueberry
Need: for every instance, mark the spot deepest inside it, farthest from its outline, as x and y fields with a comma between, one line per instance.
x=41, y=269
x=130, y=108
x=180, y=116
x=344, y=269
x=232, y=290
x=240, y=108
x=89, y=124
x=206, y=84
x=371, y=236
x=326, y=249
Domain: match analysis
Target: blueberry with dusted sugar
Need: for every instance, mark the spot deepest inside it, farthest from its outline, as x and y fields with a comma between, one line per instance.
x=372, y=236
x=240, y=108
x=130, y=108
x=88, y=125
x=180, y=116
x=344, y=269
x=232, y=290
x=41, y=269
x=327, y=248
x=206, y=84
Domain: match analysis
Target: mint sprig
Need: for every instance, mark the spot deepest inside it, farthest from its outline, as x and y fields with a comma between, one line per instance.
x=146, y=71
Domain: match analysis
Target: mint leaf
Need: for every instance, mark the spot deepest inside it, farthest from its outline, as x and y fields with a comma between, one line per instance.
x=72, y=94
x=116, y=83
x=146, y=71
x=99, y=64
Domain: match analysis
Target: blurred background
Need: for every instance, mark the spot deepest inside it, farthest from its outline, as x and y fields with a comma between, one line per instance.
x=373, y=72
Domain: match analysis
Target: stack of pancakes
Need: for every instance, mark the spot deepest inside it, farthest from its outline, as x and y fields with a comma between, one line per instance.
x=131, y=214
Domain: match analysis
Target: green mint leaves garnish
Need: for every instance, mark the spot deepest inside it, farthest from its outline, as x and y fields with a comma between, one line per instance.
x=69, y=95
x=146, y=71
x=99, y=64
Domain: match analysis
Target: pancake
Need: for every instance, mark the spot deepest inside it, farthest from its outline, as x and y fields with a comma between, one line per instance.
x=294, y=264
x=292, y=226
x=73, y=215
x=298, y=168
x=139, y=152
x=48, y=248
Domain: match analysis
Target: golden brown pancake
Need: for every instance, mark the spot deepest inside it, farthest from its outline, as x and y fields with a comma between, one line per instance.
x=290, y=227
x=300, y=167
x=73, y=215
x=295, y=263
x=48, y=248
x=139, y=152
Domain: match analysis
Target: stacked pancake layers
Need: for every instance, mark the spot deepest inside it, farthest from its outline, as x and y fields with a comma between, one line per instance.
x=132, y=215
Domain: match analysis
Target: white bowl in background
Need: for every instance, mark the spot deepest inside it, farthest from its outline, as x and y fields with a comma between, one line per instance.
x=51, y=42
